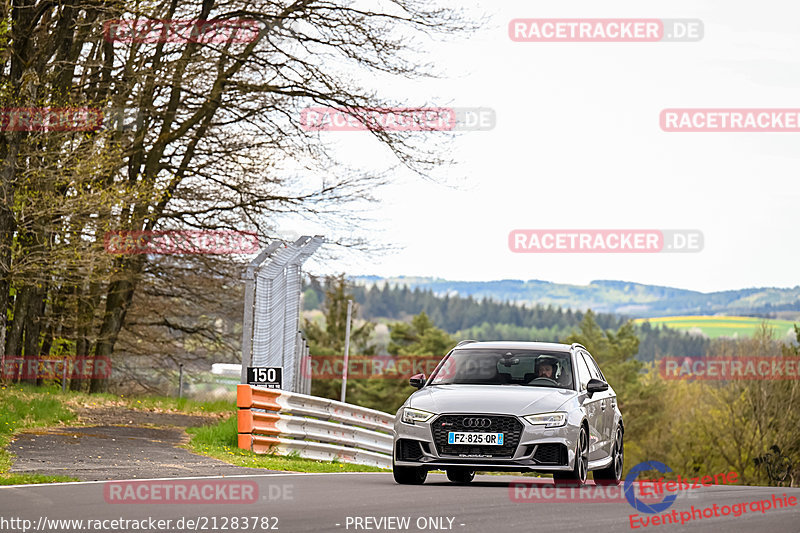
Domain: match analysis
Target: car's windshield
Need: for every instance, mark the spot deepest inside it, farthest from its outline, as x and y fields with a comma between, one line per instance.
x=531, y=368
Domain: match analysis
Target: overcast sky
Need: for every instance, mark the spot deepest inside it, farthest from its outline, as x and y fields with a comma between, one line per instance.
x=578, y=145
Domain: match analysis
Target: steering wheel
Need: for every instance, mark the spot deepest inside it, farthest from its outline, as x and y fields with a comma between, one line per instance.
x=554, y=382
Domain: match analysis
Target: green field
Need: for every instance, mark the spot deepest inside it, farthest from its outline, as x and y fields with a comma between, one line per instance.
x=720, y=326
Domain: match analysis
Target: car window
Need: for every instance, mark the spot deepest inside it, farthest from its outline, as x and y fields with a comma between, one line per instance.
x=593, y=365
x=530, y=368
x=583, y=372
x=593, y=370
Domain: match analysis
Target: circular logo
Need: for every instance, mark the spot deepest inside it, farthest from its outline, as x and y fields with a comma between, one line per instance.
x=638, y=504
x=476, y=422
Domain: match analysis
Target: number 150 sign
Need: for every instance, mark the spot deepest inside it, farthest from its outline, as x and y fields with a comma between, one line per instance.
x=265, y=376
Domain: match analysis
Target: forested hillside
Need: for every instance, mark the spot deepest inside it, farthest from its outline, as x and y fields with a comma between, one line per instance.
x=611, y=296
x=484, y=319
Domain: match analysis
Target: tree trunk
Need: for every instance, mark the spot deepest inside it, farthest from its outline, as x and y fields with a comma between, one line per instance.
x=33, y=328
x=14, y=337
x=118, y=299
x=8, y=156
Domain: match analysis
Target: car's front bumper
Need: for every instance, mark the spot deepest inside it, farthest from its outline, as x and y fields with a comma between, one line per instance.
x=539, y=449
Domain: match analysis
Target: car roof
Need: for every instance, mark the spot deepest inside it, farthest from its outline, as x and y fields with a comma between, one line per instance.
x=516, y=345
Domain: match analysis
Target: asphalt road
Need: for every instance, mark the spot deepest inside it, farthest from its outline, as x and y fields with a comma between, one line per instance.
x=364, y=502
x=114, y=452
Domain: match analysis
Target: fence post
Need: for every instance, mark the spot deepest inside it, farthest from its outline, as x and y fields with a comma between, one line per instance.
x=249, y=307
x=346, y=348
x=272, y=307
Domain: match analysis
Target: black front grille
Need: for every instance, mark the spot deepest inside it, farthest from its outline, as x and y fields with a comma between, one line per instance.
x=508, y=425
x=551, y=454
x=408, y=450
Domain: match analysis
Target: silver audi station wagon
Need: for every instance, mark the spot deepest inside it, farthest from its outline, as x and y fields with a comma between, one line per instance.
x=511, y=406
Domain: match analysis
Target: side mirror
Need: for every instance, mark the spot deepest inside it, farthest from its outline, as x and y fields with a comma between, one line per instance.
x=596, y=385
x=417, y=380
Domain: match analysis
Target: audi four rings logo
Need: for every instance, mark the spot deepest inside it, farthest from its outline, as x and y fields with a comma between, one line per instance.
x=476, y=422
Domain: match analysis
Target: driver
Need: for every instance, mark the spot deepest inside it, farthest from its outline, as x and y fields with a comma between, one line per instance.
x=546, y=370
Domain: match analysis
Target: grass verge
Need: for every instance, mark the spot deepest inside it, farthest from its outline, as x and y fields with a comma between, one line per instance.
x=220, y=442
x=22, y=409
x=31, y=479
x=145, y=403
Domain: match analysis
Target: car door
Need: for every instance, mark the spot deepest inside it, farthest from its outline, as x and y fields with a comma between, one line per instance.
x=608, y=402
x=593, y=412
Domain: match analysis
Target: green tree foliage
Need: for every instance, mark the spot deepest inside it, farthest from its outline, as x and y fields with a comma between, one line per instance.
x=790, y=396
x=740, y=419
x=711, y=427
x=328, y=339
x=420, y=337
x=310, y=299
x=383, y=392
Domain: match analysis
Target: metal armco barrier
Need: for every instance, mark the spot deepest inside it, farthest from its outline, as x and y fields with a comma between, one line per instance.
x=313, y=427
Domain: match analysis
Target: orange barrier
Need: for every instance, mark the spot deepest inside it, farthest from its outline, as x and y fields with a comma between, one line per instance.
x=257, y=443
x=248, y=397
x=263, y=444
x=262, y=423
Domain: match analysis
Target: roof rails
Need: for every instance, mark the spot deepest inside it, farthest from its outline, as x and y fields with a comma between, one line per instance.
x=468, y=341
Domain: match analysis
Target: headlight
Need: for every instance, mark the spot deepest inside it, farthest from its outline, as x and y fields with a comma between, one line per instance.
x=548, y=420
x=415, y=415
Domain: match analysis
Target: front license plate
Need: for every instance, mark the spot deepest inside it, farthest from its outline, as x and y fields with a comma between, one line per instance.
x=484, y=439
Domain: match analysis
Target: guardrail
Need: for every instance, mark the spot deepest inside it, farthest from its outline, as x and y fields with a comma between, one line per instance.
x=282, y=422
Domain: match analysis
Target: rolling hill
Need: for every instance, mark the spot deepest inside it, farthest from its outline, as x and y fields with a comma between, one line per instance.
x=619, y=297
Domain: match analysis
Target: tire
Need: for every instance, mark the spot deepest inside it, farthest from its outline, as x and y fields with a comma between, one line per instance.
x=409, y=475
x=460, y=475
x=577, y=476
x=612, y=474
